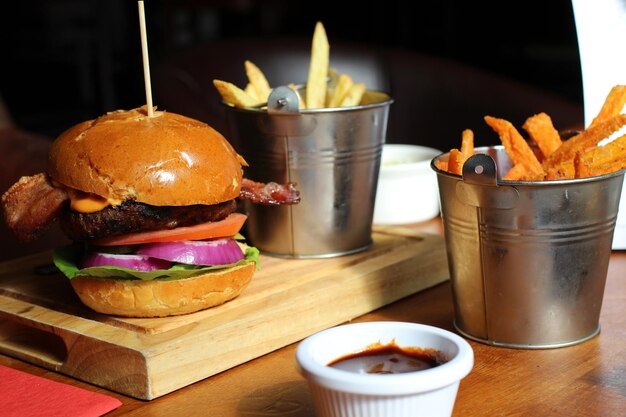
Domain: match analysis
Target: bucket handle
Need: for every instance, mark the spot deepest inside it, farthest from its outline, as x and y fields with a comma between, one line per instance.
x=480, y=187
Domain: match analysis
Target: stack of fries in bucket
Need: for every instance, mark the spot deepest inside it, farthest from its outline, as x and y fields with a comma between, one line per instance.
x=545, y=155
x=324, y=88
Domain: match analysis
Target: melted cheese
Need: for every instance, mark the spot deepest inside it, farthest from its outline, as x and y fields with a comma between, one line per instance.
x=89, y=203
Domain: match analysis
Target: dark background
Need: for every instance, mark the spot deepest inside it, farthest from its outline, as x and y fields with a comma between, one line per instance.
x=65, y=61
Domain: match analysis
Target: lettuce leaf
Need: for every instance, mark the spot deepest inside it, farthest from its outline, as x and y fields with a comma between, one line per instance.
x=66, y=258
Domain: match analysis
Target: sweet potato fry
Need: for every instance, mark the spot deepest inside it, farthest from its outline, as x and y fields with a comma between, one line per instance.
x=547, y=156
x=584, y=141
x=442, y=165
x=582, y=169
x=457, y=157
x=542, y=132
x=517, y=148
x=613, y=105
x=467, y=144
x=602, y=159
x=602, y=169
x=517, y=173
x=318, y=69
x=234, y=95
x=562, y=171
x=259, y=83
x=455, y=162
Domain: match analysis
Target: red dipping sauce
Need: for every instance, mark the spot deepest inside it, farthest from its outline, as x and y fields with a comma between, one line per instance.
x=389, y=359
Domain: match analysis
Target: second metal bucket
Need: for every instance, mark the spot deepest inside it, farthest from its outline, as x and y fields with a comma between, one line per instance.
x=528, y=260
x=333, y=155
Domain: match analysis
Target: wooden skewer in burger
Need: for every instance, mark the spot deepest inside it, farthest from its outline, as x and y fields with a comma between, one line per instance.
x=149, y=199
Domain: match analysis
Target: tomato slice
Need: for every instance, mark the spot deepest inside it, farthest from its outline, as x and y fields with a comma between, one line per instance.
x=209, y=230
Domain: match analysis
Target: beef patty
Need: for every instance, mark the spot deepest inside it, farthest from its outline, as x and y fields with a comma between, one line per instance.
x=131, y=217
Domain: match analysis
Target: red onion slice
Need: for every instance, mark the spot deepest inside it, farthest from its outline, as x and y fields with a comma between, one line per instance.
x=137, y=262
x=195, y=252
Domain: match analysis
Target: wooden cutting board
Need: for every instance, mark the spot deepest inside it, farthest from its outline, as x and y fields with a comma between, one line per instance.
x=43, y=322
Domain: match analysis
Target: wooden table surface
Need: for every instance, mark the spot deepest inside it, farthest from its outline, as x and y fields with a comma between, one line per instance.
x=588, y=379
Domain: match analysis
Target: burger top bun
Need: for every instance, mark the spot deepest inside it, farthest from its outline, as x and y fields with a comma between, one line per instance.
x=164, y=160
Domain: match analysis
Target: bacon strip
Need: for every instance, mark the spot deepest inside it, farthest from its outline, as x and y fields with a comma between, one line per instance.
x=33, y=203
x=30, y=205
x=270, y=194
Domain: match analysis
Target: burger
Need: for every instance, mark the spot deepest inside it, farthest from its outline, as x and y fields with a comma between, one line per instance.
x=149, y=203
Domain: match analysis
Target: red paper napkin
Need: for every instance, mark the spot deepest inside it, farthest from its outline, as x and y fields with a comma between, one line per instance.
x=23, y=394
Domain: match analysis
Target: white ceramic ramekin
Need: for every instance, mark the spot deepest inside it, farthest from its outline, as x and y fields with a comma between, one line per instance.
x=338, y=393
x=407, y=189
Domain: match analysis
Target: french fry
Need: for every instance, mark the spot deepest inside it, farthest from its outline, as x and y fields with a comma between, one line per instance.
x=602, y=169
x=455, y=162
x=613, y=105
x=354, y=95
x=234, y=95
x=562, y=171
x=442, y=165
x=318, y=69
x=344, y=83
x=542, y=132
x=580, y=156
x=259, y=83
x=333, y=78
x=251, y=91
x=300, y=98
x=370, y=97
x=330, y=92
x=467, y=144
x=325, y=87
x=517, y=148
x=584, y=141
x=457, y=157
x=516, y=173
x=602, y=159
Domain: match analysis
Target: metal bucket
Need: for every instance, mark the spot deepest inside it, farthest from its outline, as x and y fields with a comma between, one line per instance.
x=528, y=260
x=333, y=155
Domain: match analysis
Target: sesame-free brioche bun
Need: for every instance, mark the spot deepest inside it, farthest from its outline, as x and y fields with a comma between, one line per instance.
x=160, y=298
x=164, y=160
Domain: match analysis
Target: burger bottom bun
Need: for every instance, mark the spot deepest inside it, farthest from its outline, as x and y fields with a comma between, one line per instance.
x=136, y=298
